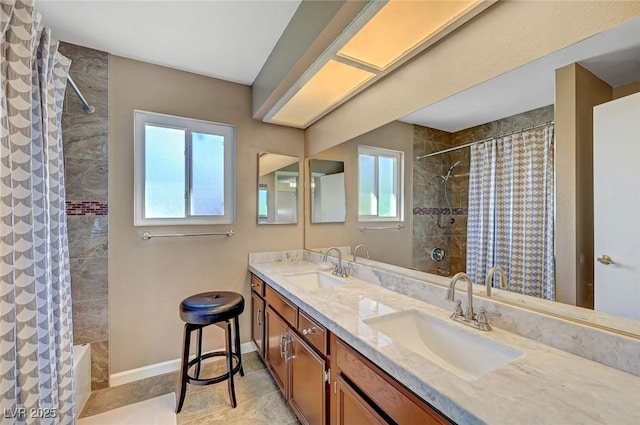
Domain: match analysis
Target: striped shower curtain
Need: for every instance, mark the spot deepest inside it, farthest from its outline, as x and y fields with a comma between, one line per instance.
x=36, y=385
x=510, y=222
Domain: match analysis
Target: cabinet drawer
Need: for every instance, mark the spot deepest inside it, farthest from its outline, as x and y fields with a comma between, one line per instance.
x=397, y=402
x=280, y=305
x=352, y=409
x=313, y=332
x=257, y=285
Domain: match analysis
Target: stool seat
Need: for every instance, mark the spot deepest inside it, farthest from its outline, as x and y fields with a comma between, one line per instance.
x=211, y=307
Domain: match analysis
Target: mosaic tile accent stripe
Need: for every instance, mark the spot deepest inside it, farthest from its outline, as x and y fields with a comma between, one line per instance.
x=80, y=208
x=436, y=211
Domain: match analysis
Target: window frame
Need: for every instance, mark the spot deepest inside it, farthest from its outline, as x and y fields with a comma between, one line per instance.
x=189, y=125
x=390, y=153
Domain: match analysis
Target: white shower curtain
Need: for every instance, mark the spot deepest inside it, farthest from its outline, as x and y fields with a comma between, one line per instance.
x=35, y=294
x=510, y=222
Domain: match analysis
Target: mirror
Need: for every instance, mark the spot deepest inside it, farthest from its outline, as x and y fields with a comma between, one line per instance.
x=440, y=183
x=328, y=198
x=278, y=180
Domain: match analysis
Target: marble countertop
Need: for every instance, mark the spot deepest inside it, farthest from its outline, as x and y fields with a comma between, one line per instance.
x=544, y=386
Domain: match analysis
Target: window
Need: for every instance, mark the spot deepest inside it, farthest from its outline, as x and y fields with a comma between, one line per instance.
x=263, y=203
x=380, y=184
x=184, y=171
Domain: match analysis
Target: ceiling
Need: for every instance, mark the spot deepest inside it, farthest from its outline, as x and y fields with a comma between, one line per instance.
x=230, y=40
x=613, y=56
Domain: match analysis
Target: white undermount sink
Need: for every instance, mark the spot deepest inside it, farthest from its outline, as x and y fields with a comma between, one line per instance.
x=463, y=353
x=315, y=280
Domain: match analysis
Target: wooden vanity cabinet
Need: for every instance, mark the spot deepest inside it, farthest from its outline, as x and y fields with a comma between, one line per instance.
x=325, y=380
x=298, y=369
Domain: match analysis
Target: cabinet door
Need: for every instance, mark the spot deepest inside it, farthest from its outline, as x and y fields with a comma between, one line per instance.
x=308, y=389
x=351, y=409
x=257, y=323
x=276, y=334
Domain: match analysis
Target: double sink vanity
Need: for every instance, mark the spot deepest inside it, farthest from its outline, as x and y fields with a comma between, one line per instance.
x=346, y=349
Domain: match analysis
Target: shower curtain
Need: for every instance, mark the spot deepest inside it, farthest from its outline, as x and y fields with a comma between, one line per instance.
x=35, y=293
x=510, y=222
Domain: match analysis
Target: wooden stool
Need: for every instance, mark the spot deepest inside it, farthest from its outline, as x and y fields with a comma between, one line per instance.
x=203, y=310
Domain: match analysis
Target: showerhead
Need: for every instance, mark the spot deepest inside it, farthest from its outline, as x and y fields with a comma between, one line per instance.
x=446, y=176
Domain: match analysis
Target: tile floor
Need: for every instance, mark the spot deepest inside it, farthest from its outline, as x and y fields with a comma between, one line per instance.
x=259, y=400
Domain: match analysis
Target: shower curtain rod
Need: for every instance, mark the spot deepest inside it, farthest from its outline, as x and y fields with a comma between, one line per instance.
x=466, y=145
x=85, y=105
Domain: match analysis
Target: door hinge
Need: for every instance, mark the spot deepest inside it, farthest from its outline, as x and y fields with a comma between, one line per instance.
x=327, y=376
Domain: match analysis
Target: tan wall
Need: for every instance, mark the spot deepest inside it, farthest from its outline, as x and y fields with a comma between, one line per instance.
x=626, y=90
x=507, y=35
x=577, y=92
x=148, y=279
x=390, y=246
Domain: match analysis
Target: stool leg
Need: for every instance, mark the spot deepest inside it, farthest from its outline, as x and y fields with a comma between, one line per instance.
x=199, y=353
x=185, y=367
x=238, y=352
x=232, y=393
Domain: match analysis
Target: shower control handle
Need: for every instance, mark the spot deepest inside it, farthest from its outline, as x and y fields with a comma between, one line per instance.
x=437, y=254
x=605, y=259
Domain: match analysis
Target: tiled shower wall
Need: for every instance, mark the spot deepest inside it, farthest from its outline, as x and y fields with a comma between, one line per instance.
x=432, y=218
x=85, y=138
x=432, y=226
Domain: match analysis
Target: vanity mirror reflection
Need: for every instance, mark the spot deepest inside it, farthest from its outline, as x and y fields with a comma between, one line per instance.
x=553, y=105
x=327, y=194
x=278, y=181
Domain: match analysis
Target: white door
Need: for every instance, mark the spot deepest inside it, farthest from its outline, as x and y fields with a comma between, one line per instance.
x=616, y=184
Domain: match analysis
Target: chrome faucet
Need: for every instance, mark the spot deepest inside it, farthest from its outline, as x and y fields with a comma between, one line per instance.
x=451, y=295
x=489, y=280
x=355, y=251
x=339, y=270
x=469, y=317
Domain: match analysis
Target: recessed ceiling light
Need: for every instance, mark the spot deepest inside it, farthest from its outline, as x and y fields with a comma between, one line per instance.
x=398, y=28
x=329, y=85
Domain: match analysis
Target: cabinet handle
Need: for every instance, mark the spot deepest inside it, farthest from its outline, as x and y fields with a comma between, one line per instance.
x=287, y=349
x=335, y=387
x=258, y=315
x=282, y=338
x=309, y=331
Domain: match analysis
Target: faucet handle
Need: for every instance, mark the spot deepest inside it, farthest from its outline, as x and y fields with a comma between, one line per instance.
x=340, y=271
x=457, y=310
x=491, y=312
x=482, y=322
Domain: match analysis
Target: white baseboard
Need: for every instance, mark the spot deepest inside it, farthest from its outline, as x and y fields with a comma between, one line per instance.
x=132, y=375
